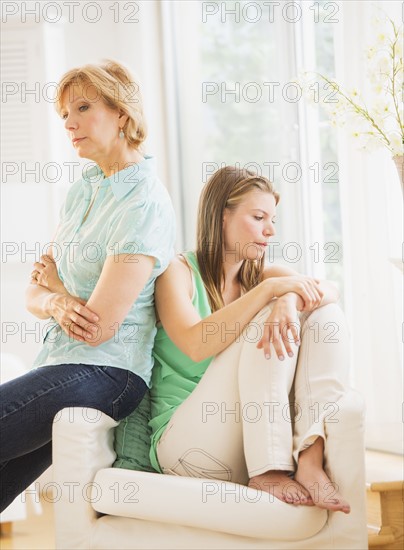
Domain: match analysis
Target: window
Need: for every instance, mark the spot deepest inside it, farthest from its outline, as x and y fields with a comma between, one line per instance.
x=230, y=76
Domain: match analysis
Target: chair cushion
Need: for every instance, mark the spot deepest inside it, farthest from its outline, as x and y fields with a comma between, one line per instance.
x=132, y=439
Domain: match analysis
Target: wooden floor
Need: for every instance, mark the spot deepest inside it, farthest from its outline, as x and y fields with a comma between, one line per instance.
x=35, y=533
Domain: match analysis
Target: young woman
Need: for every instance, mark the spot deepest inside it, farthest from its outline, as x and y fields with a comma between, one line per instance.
x=116, y=235
x=220, y=406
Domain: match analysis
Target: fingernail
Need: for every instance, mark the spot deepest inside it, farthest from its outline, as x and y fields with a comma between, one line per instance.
x=281, y=357
x=267, y=356
x=89, y=335
x=290, y=353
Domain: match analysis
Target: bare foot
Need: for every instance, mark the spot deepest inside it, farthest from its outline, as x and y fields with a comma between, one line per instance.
x=311, y=475
x=322, y=490
x=279, y=484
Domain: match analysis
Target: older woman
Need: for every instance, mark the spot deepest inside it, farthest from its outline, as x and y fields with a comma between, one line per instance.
x=115, y=236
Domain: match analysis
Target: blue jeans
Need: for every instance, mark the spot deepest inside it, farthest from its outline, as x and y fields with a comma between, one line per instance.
x=28, y=405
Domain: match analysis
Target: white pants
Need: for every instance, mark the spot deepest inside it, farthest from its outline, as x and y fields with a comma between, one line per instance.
x=237, y=423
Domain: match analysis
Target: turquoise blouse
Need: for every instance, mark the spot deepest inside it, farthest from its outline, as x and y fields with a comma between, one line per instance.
x=132, y=214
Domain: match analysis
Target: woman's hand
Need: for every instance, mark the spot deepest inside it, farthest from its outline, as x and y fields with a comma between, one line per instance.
x=307, y=287
x=75, y=318
x=283, y=318
x=45, y=273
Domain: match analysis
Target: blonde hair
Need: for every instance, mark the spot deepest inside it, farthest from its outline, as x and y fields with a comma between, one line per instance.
x=117, y=89
x=225, y=189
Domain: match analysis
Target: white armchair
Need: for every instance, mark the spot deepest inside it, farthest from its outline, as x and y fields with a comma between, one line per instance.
x=99, y=507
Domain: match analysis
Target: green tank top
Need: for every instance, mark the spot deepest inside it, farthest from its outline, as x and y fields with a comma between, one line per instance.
x=175, y=375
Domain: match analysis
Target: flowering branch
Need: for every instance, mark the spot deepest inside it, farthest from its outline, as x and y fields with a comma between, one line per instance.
x=396, y=69
x=358, y=109
x=384, y=119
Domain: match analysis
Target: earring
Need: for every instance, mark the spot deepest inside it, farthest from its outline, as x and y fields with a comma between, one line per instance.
x=121, y=134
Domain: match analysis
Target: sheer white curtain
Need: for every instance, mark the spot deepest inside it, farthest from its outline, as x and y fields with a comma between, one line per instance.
x=372, y=225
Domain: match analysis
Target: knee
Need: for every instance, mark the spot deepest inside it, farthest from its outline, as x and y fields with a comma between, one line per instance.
x=330, y=320
x=329, y=312
x=332, y=307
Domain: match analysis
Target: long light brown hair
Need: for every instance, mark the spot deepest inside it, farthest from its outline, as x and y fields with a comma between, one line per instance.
x=225, y=189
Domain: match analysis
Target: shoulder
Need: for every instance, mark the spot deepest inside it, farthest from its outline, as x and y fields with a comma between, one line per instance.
x=150, y=194
x=278, y=271
x=178, y=267
x=146, y=204
x=178, y=273
x=158, y=194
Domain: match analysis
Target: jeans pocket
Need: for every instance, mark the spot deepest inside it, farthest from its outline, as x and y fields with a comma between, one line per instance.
x=130, y=397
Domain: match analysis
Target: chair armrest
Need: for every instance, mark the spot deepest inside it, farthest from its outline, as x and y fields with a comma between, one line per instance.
x=82, y=445
x=204, y=503
x=345, y=464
